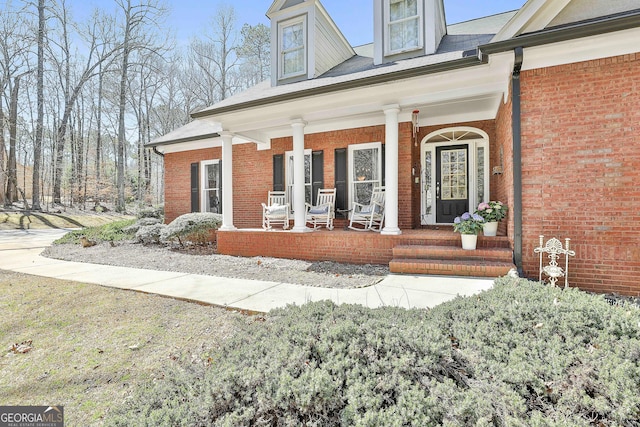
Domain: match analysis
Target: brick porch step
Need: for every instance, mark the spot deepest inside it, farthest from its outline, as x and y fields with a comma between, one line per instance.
x=451, y=260
x=458, y=267
x=431, y=252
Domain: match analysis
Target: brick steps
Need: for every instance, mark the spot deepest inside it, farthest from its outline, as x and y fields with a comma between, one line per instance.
x=451, y=260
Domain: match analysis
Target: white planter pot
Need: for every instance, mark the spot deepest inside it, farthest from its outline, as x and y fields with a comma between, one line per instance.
x=490, y=228
x=469, y=241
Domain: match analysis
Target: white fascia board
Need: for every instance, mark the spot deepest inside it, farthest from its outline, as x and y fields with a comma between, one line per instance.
x=200, y=144
x=585, y=49
x=534, y=15
x=359, y=106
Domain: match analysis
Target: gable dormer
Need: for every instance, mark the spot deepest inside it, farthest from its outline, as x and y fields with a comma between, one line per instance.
x=305, y=42
x=407, y=28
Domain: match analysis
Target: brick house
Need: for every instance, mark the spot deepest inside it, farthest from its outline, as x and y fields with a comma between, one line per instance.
x=541, y=105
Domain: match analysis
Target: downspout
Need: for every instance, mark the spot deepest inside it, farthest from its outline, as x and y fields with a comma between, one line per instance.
x=516, y=120
x=155, y=150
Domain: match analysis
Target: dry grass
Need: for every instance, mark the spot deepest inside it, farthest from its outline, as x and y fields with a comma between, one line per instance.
x=25, y=220
x=92, y=346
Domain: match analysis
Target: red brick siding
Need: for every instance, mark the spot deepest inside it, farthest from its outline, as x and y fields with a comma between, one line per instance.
x=253, y=170
x=177, y=185
x=581, y=166
x=502, y=185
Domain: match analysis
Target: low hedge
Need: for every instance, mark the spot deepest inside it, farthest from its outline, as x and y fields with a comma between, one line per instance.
x=520, y=354
x=111, y=232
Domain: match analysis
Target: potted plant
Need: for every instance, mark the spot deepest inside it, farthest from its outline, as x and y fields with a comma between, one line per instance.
x=492, y=213
x=468, y=225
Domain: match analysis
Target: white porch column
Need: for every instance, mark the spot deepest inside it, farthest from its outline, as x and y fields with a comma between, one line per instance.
x=227, y=181
x=391, y=170
x=299, y=223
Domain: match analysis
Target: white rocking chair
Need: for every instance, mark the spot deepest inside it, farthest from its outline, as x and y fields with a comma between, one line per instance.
x=371, y=216
x=276, y=211
x=323, y=212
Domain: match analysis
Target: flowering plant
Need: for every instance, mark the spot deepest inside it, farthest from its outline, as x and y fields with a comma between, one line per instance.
x=468, y=223
x=492, y=211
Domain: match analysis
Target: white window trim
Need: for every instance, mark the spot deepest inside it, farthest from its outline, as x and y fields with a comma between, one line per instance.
x=350, y=181
x=203, y=181
x=473, y=145
x=281, y=25
x=288, y=175
x=387, y=26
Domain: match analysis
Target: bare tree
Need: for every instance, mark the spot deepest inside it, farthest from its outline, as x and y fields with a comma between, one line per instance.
x=138, y=24
x=213, y=62
x=14, y=65
x=37, y=144
x=255, y=52
x=98, y=35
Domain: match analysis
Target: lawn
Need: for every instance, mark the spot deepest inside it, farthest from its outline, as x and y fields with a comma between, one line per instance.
x=25, y=220
x=88, y=347
x=520, y=354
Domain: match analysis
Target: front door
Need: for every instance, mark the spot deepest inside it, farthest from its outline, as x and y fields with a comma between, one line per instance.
x=452, y=182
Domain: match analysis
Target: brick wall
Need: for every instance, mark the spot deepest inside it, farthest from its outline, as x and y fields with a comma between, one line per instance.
x=502, y=185
x=177, y=182
x=253, y=170
x=581, y=168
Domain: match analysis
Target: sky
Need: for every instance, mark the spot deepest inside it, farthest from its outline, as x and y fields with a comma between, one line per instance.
x=188, y=18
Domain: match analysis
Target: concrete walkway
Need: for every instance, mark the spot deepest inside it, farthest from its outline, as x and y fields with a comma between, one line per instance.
x=20, y=252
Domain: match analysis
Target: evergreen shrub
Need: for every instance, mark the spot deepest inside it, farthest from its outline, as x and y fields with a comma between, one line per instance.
x=520, y=354
x=195, y=227
x=148, y=234
x=111, y=232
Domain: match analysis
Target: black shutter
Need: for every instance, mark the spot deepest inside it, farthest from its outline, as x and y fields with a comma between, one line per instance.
x=220, y=187
x=340, y=172
x=317, y=174
x=195, y=187
x=384, y=167
x=278, y=172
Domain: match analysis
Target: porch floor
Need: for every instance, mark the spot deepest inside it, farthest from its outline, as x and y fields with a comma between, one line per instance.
x=436, y=251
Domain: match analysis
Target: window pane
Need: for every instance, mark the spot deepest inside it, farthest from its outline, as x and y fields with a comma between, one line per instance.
x=307, y=178
x=365, y=164
x=427, y=183
x=363, y=191
x=292, y=37
x=293, y=62
x=480, y=176
x=404, y=24
x=453, y=169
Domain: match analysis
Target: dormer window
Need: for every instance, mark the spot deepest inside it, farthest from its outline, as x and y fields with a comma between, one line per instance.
x=292, y=35
x=404, y=25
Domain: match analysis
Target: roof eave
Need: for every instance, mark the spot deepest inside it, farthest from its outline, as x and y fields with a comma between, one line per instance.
x=464, y=62
x=181, y=140
x=609, y=24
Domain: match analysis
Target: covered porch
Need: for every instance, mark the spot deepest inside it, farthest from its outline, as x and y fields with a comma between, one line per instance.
x=435, y=251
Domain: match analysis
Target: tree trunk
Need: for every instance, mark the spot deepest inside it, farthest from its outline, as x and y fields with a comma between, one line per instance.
x=120, y=202
x=12, y=176
x=99, y=137
x=3, y=170
x=37, y=143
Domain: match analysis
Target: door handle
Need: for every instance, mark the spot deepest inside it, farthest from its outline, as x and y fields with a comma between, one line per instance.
x=438, y=190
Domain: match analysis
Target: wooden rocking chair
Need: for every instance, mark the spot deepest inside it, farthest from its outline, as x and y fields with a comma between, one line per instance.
x=276, y=211
x=371, y=216
x=323, y=212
